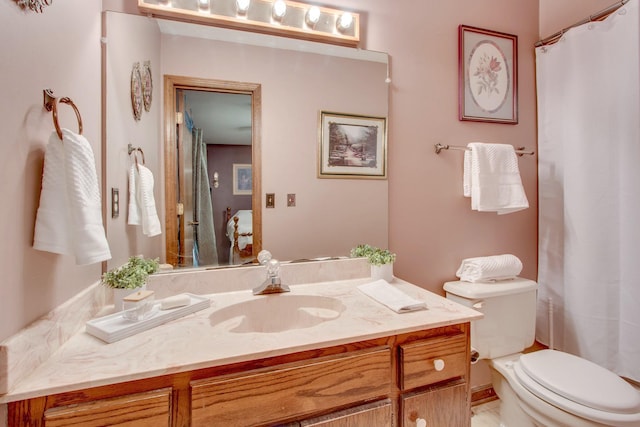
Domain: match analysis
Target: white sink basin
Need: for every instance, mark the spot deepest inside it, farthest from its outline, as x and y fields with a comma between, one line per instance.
x=277, y=313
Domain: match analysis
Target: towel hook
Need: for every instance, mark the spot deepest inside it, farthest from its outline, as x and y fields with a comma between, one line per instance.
x=50, y=105
x=131, y=149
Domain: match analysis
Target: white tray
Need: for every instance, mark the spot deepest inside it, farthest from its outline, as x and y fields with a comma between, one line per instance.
x=115, y=327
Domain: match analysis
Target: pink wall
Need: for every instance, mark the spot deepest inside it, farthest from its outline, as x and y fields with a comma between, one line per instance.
x=122, y=129
x=58, y=49
x=432, y=227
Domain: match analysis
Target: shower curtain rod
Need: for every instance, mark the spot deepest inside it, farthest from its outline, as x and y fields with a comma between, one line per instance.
x=595, y=17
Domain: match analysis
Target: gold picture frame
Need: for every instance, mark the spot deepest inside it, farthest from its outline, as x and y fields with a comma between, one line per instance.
x=352, y=146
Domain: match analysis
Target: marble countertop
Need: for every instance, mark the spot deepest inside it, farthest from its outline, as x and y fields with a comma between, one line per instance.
x=201, y=340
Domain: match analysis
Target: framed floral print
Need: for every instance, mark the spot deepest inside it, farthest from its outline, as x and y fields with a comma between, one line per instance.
x=488, y=75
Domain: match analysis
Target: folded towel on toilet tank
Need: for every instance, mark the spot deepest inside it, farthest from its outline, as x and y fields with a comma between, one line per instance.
x=489, y=268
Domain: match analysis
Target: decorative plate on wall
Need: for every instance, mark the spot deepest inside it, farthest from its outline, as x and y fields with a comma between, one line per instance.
x=136, y=91
x=147, y=85
x=34, y=5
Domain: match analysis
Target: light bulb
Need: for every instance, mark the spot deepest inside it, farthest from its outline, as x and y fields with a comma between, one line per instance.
x=279, y=9
x=313, y=16
x=345, y=21
x=203, y=4
x=243, y=6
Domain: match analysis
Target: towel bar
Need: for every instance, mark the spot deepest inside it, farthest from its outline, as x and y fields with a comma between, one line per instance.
x=520, y=151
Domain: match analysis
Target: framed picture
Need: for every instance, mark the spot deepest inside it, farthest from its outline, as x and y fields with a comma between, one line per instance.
x=352, y=146
x=488, y=76
x=242, y=180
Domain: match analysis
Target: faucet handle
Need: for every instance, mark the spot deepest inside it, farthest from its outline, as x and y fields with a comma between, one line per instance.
x=273, y=268
x=264, y=257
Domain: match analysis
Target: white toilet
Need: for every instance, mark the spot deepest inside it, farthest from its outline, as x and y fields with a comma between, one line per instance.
x=544, y=388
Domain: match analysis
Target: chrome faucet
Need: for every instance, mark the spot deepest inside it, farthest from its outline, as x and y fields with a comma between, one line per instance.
x=272, y=284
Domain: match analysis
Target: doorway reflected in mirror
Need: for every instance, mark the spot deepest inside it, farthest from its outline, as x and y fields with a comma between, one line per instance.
x=213, y=135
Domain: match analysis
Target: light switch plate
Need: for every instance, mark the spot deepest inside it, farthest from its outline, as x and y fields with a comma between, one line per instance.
x=291, y=200
x=115, y=202
x=271, y=200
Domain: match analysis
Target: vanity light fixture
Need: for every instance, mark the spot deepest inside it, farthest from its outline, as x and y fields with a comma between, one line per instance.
x=279, y=9
x=284, y=18
x=242, y=6
x=313, y=16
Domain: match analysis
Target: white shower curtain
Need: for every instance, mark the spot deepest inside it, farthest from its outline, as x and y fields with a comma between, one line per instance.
x=589, y=192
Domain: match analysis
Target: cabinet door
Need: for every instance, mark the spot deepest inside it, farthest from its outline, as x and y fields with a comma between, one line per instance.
x=446, y=406
x=373, y=414
x=150, y=409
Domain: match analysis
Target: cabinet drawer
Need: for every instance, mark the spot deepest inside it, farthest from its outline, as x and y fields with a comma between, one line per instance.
x=292, y=390
x=433, y=360
x=372, y=414
x=136, y=410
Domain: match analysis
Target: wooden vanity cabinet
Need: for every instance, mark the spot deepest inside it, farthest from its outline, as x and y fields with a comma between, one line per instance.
x=390, y=381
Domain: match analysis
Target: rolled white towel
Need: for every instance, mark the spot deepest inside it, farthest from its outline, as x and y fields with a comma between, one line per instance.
x=489, y=268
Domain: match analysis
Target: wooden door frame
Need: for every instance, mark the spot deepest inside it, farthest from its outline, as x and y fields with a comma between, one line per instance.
x=171, y=83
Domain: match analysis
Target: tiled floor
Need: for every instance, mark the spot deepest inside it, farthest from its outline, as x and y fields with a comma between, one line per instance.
x=486, y=415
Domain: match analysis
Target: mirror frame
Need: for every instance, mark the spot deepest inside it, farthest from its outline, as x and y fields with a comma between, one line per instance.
x=171, y=83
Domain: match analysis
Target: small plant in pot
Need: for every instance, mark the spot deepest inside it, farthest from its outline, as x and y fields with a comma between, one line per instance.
x=129, y=278
x=381, y=260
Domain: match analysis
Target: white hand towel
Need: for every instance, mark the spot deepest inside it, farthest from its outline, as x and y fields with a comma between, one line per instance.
x=142, y=205
x=69, y=218
x=466, y=174
x=392, y=297
x=134, y=211
x=493, y=180
x=489, y=268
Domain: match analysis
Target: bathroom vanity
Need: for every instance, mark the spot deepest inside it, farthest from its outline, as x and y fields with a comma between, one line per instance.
x=255, y=360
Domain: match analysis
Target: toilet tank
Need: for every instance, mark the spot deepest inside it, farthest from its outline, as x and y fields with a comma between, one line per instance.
x=509, y=309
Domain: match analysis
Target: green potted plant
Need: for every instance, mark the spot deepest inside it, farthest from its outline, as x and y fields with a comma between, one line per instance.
x=381, y=260
x=129, y=277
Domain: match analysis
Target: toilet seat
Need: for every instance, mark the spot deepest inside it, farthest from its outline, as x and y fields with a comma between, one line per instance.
x=580, y=381
x=577, y=386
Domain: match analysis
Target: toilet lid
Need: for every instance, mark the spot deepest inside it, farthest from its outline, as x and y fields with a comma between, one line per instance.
x=580, y=381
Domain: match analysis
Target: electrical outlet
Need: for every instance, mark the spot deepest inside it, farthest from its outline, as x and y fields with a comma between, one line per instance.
x=271, y=200
x=291, y=200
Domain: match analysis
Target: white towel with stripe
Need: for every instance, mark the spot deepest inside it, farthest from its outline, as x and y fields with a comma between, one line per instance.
x=391, y=296
x=491, y=178
x=69, y=217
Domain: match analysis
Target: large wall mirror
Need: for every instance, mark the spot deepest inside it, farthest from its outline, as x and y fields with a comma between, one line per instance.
x=294, y=81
